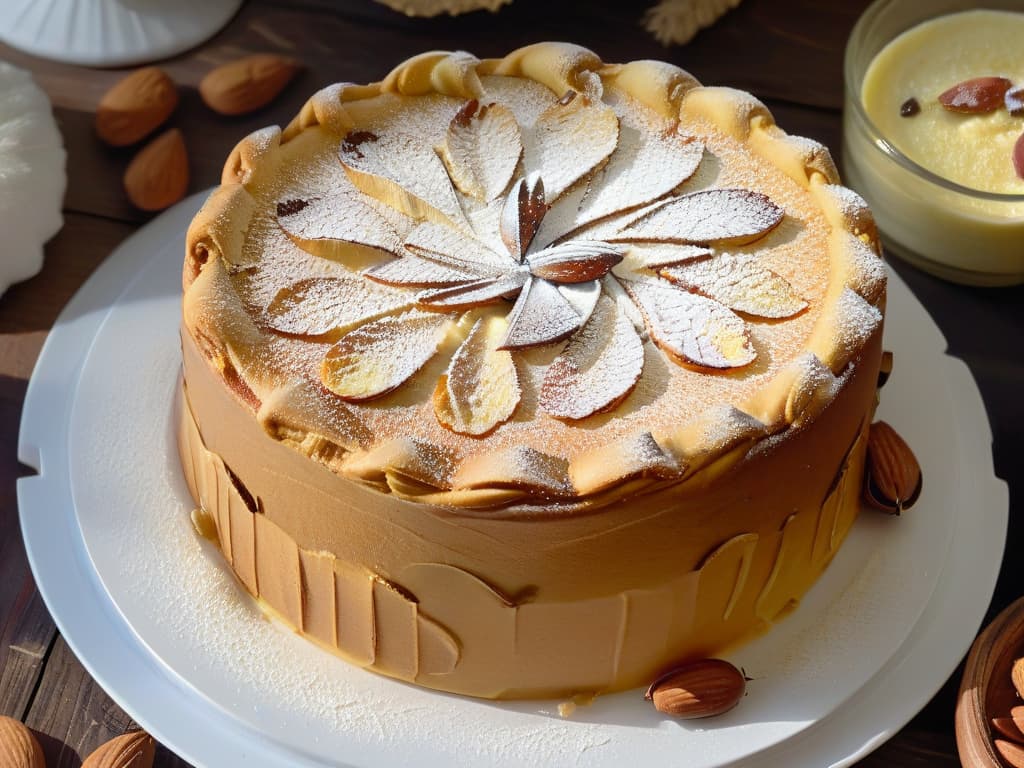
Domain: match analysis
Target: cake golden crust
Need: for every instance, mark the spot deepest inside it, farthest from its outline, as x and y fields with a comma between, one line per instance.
x=711, y=500
x=854, y=288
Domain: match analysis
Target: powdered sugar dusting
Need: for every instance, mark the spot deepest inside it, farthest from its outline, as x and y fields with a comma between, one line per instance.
x=568, y=141
x=708, y=216
x=378, y=357
x=482, y=149
x=644, y=167
x=541, y=315
x=527, y=99
x=405, y=160
x=855, y=321
x=796, y=250
x=318, y=305
x=691, y=326
x=456, y=248
x=598, y=367
x=739, y=282
x=481, y=385
x=345, y=216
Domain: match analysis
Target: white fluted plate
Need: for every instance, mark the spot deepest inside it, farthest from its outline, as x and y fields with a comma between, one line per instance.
x=111, y=33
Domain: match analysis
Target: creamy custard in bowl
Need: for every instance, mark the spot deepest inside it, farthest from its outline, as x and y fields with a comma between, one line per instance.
x=934, y=136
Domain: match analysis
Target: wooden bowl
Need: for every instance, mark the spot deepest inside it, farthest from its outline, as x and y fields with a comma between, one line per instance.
x=986, y=690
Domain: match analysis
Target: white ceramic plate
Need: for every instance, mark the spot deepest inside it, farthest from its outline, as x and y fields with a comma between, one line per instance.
x=111, y=33
x=157, y=619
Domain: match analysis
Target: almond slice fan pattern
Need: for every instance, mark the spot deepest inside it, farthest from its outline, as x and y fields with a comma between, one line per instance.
x=569, y=231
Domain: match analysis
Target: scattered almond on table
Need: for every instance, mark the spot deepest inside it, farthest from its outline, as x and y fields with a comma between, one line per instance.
x=135, y=749
x=20, y=749
x=142, y=101
x=157, y=177
x=18, y=746
x=246, y=84
x=136, y=106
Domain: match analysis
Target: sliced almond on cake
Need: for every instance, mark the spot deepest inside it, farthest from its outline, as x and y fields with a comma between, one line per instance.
x=569, y=139
x=692, y=328
x=315, y=306
x=598, y=367
x=541, y=315
x=521, y=215
x=482, y=149
x=713, y=215
x=481, y=387
x=739, y=282
x=380, y=356
x=402, y=171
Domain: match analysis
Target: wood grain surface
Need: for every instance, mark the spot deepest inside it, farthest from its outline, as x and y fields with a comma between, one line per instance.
x=787, y=52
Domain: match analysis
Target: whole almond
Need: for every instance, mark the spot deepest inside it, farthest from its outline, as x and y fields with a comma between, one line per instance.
x=1012, y=753
x=892, y=480
x=18, y=746
x=135, y=106
x=158, y=176
x=975, y=96
x=130, y=750
x=699, y=689
x=247, y=84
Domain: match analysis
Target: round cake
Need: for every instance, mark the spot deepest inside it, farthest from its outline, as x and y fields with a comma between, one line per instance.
x=528, y=377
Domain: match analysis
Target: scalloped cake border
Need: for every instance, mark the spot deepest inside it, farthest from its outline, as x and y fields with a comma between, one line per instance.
x=704, y=446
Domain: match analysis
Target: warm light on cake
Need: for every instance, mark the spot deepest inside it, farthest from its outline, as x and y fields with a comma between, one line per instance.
x=529, y=376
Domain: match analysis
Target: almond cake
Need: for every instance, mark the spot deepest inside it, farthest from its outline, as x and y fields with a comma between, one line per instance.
x=527, y=377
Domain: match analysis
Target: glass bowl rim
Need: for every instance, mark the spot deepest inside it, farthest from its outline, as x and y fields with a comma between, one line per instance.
x=879, y=141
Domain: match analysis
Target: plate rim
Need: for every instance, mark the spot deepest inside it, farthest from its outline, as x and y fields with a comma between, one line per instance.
x=82, y=319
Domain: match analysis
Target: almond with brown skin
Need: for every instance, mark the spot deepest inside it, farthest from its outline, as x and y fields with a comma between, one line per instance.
x=18, y=746
x=158, y=176
x=1012, y=753
x=700, y=689
x=135, y=106
x=976, y=96
x=892, y=478
x=130, y=750
x=247, y=84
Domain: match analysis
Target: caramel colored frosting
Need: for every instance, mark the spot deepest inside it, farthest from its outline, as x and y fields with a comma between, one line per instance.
x=526, y=377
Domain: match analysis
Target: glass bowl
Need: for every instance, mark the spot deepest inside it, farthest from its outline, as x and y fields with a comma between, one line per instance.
x=960, y=234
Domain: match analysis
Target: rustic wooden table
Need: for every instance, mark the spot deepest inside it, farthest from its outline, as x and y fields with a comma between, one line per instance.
x=788, y=52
